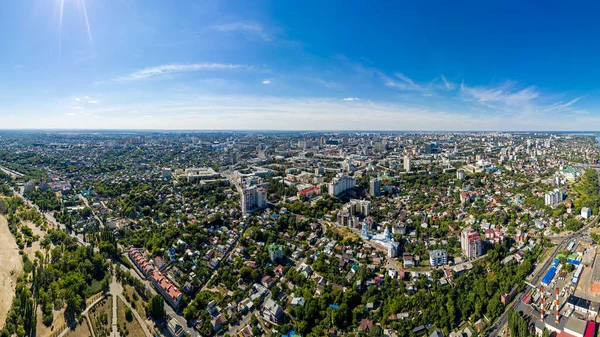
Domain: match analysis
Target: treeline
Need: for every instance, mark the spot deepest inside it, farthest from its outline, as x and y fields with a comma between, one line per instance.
x=63, y=278
x=587, y=190
x=46, y=200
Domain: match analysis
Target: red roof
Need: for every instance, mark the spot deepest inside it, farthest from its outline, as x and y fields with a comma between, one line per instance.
x=166, y=285
x=590, y=329
x=308, y=190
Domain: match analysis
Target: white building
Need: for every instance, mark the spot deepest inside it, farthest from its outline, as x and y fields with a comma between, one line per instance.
x=407, y=163
x=460, y=174
x=438, y=257
x=341, y=184
x=253, y=198
x=385, y=239
x=586, y=212
x=554, y=197
x=197, y=174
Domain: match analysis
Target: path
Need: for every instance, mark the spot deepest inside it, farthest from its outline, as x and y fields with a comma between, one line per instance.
x=115, y=290
x=68, y=329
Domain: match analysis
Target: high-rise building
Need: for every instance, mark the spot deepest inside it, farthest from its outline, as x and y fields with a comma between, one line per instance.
x=166, y=173
x=460, y=174
x=470, y=243
x=407, y=163
x=554, y=197
x=375, y=187
x=253, y=198
x=340, y=184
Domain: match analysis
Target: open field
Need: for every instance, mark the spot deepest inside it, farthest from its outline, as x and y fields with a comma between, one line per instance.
x=82, y=330
x=133, y=327
x=342, y=231
x=10, y=268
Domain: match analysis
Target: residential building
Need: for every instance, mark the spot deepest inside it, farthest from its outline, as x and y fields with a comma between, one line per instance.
x=167, y=289
x=375, y=187
x=438, y=257
x=253, y=198
x=175, y=329
x=470, y=243
x=340, y=184
x=272, y=311
x=586, y=212
x=553, y=198
x=275, y=252
x=407, y=163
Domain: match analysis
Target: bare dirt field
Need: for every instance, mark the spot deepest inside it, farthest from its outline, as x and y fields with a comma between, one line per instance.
x=82, y=330
x=10, y=268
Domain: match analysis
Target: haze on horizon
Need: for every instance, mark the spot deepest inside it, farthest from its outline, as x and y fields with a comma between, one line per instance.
x=280, y=65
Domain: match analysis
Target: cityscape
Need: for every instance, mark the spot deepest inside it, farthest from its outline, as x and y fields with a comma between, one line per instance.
x=299, y=233
x=226, y=168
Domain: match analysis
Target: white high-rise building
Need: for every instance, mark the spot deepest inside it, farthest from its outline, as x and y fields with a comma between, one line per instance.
x=253, y=198
x=407, y=163
x=341, y=184
x=554, y=197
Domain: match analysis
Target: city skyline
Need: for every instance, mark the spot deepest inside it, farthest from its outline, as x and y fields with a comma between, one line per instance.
x=132, y=65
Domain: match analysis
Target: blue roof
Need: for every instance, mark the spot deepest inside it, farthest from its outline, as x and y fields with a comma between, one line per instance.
x=555, y=263
x=549, y=276
x=573, y=262
x=334, y=306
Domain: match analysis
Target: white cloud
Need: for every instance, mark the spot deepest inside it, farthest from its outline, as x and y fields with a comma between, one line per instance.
x=506, y=94
x=327, y=84
x=93, y=101
x=351, y=99
x=267, y=81
x=247, y=28
x=405, y=83
x=171, y=69
x=447, y=84
x=190, y=111
x=427, y=94
x=77, y=99
x=86, y=97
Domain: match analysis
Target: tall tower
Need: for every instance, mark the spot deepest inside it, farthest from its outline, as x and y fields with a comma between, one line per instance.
x=556, y=307
x=542, y=305
x=406, y=163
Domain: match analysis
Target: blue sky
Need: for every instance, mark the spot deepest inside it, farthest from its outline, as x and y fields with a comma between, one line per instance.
x=320, y=65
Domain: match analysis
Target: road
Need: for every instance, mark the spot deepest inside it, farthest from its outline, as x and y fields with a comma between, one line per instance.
x=537, y=276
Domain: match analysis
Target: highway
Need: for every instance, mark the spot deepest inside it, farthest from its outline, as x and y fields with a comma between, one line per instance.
x=537, y=276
